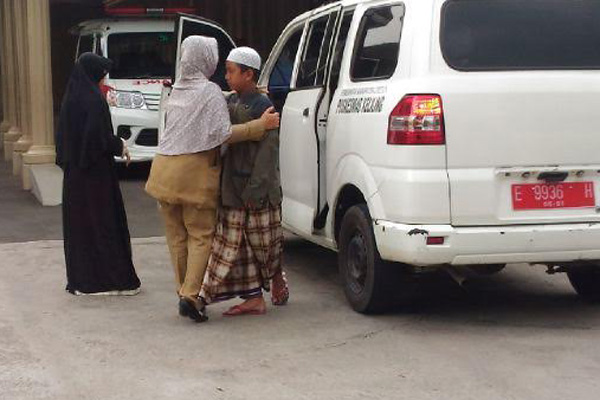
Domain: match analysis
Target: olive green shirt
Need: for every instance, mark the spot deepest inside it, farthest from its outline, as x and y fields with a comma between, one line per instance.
x=250, y=175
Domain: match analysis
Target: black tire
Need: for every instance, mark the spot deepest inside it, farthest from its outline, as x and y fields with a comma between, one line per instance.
x=367, y=280
x=585, y=279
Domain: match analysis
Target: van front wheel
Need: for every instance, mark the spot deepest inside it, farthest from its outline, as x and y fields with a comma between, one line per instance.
x=366, y=278
x=585, y=279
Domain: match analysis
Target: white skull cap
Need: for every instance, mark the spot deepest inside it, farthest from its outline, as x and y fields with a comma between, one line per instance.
x=245, y=56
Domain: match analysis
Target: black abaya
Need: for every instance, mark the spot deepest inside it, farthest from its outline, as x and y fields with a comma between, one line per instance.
x=96, y=236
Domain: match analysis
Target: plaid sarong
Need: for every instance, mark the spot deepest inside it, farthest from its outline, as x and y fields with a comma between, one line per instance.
x=246, y=253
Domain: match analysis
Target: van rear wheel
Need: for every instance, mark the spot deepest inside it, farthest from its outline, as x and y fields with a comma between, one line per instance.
x=366, y=278
x=585, y=279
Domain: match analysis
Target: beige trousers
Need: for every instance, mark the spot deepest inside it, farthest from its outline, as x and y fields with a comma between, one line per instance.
x=190, y=232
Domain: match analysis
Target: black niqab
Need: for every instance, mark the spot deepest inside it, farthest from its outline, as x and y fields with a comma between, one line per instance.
x=94, y=66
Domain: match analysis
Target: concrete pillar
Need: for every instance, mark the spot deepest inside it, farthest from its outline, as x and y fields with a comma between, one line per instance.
x=39, y=170
x=13, y=133
x=24, y=42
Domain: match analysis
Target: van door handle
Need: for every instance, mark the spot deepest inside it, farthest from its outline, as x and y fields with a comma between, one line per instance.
x=306, y=112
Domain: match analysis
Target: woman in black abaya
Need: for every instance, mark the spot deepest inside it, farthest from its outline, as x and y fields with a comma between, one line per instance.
x=96, y=237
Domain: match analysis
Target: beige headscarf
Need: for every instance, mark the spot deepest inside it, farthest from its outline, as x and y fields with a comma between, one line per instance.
x=196, y=115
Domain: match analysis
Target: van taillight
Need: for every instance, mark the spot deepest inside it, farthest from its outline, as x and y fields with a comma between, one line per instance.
x=417, y=120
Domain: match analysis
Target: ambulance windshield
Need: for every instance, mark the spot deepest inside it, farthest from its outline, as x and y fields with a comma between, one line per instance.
x=141, y=55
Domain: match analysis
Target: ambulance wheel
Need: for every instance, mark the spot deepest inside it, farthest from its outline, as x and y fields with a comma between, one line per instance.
x=585, y=279
x=366, y=278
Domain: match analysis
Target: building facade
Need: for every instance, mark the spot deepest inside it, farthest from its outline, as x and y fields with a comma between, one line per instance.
x=27, y=127
x=36, y=58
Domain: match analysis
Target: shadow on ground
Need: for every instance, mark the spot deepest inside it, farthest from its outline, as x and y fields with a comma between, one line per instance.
x=520, y=295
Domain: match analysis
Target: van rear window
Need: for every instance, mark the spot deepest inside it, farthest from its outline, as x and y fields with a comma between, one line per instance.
x=141, y=55
x=521, y=35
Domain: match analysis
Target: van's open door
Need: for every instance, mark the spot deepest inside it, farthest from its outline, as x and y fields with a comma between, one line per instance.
x=304, y=128
x=188, y=25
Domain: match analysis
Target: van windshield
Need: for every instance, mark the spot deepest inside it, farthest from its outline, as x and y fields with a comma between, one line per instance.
x=521, y=35
x=141, y=55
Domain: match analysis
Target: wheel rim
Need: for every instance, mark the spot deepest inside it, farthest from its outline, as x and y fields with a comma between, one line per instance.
x=357, y=262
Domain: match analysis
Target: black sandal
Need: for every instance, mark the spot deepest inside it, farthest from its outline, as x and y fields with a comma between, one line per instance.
x=187, y=308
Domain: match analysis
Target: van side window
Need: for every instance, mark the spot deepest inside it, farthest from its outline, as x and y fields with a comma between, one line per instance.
x=280, y=79
x=86, y=45
x=510, y=35
x=316, y=50
x=338, y=53
x=326, y=49
x=378, y=43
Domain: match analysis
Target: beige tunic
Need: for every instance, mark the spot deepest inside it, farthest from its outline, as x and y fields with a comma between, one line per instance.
x=194, y=178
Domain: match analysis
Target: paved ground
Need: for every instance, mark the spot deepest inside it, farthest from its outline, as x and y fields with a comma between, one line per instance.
x=518, y=335
x=22, y=219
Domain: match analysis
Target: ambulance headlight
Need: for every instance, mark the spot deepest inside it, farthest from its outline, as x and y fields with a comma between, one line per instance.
x=122, y=99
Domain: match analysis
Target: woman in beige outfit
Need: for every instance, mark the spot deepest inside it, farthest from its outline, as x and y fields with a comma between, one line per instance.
x=186, y=171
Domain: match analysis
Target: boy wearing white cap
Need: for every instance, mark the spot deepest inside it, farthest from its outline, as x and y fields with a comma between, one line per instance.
x=247, y=248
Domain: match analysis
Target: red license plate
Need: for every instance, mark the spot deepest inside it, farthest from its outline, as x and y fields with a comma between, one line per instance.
x=541, y=196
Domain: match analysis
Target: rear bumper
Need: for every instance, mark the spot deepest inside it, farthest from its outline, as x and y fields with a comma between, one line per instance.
x=487, y=245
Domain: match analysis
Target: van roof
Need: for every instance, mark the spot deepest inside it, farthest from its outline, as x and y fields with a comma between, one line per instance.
x=343, y=3
x=123, y=25
x=332, y=4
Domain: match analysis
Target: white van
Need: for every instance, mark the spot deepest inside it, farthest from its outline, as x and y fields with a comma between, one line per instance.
x=420, y=135
x=143, y=51
x=442, y=134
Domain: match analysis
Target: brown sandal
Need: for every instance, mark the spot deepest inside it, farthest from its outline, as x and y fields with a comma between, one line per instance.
x=237, y=311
